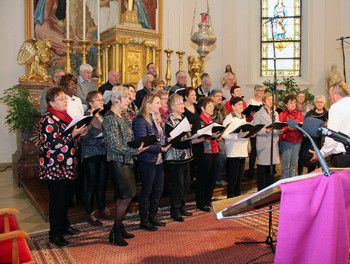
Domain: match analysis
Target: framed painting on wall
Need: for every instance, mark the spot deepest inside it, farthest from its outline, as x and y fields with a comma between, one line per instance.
x=46, y=19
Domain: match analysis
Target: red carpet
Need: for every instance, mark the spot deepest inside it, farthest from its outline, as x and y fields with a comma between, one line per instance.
x=200, y=239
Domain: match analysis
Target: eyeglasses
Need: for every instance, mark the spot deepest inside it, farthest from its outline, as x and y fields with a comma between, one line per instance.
x=71, y=84
x=126, y=97
x=98, y=100
x=260, y=90
x=60, y=99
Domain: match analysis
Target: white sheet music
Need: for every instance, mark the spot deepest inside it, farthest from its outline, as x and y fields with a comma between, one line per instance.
x=107, y=96
x=183, y=126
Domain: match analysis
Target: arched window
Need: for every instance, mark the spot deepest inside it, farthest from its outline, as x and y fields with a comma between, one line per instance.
x=285, y=17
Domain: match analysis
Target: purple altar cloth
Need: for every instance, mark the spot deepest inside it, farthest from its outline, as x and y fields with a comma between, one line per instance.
x=314, y=220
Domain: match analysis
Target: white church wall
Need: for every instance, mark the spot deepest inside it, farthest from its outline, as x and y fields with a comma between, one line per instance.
x=12, y=30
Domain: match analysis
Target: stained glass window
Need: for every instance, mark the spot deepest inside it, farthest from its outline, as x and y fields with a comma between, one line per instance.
x=285, y=17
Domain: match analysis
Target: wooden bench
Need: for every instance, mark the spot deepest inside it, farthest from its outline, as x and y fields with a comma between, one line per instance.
x=13, y=246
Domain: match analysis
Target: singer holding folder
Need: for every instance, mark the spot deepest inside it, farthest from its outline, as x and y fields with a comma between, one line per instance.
x=178, y=158
x=263, y=142
x=117, y=132
x=236, y=148
x=206, y=155
x=57, y=162
x=151, y=161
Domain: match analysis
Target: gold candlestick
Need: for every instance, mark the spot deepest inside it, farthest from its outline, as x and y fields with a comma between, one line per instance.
x=68, y=52
x=180, y=54
x=99, y=67
x=84, y=44
x=168, y=61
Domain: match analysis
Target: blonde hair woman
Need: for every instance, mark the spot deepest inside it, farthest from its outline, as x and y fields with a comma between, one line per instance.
x=117, y=132
x=148, y=122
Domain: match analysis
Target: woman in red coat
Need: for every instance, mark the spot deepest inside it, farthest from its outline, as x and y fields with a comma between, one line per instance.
x=290, y=140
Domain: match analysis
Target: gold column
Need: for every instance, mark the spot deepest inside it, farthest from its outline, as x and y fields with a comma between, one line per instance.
x=148, y=54
x=84, y=44
x=157, y=61
x=153, y=51
x=105, y=63
x=99, y=68
x=168, y=61
x=114, y=56
x=68, y=52
x=180, y=54
x=123, y=59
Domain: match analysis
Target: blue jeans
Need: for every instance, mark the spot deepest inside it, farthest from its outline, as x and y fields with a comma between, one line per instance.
x=290, y=153
x=152, y=186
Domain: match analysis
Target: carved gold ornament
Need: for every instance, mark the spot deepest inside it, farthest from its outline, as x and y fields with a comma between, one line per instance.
x=37, y=55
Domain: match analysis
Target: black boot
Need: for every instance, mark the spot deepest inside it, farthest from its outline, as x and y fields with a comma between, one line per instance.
x=116, y=236
x=154, y=219
x=145, y=224
x=175, y=214
x=124, y=233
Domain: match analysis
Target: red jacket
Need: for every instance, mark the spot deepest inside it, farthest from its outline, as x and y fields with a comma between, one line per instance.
x=291, y=135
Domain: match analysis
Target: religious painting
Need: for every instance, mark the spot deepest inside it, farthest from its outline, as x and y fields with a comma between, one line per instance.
x=46, y=19
x=281, y=23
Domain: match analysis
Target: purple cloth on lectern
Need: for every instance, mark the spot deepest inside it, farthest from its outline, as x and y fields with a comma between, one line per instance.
x=314, y=220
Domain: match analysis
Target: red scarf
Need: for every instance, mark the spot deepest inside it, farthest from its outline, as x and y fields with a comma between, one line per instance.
x=213, y=142
x=62, y=115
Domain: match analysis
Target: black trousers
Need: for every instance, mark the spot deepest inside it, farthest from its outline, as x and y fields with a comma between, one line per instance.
x=60, y=193
x=152, y=186
x=80, y=181
x=264, y=177
x=180, y=184
x=234, y=175
x=252, y=157
x=96, y=178
x=341, y=160
x=205, y=183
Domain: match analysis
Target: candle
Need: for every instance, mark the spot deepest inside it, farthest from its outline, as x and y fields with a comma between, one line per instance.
x=168, y=29
x=130, y=4
x=67, y=17
x=84, y=20
x=98, y=21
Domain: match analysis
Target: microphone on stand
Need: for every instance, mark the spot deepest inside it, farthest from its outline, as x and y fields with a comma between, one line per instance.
x=316, y=127
x=342, y=38
x=293, y=124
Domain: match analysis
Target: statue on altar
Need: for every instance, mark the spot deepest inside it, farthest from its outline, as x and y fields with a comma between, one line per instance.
x=195, y=70
x=333, y=76
x=37, y=55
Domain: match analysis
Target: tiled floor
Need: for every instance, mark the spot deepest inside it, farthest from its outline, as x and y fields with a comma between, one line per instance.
x=13, y=196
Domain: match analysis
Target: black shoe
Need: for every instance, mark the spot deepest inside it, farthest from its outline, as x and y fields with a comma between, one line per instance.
x=153, y=219
x=116, y=237
x=72, y=231
x=145, y=224
x=204, y=208
x=185, y=213
x=59, y=241
x=176, y=216
x=124, y=233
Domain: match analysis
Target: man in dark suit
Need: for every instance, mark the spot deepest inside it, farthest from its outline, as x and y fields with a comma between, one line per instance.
x=113, y=80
